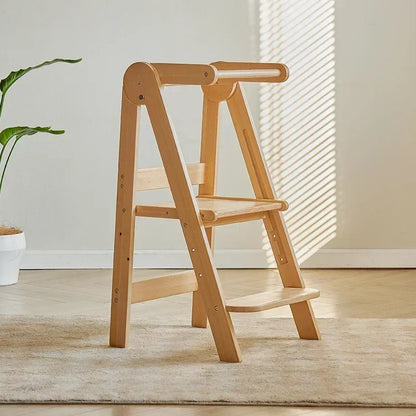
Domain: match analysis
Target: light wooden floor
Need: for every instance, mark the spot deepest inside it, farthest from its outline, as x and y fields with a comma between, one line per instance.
x=344, y=293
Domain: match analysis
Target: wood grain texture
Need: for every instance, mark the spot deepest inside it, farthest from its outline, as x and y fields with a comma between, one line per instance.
x=155, y=178
x=124, y=230
x=164, y=286
x=272, y=299
x=185, y=74
x=209, y=157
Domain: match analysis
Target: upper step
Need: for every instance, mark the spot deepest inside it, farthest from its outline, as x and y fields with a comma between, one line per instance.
x=216, y=210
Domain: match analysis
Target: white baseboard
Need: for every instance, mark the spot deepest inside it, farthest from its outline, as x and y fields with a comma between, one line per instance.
x=391, y=258
x=238, y=259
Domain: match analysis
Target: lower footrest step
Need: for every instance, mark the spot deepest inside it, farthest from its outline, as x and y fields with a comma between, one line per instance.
x=271, y=299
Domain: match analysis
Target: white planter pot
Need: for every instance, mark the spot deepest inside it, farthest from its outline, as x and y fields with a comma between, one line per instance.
x=11, y=252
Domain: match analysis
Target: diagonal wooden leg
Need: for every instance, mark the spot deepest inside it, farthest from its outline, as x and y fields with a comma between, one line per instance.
x=290, y=274
x=278, y=236
x=209, y=156
x=199, y=315
x=188, y=212
x=125, y=221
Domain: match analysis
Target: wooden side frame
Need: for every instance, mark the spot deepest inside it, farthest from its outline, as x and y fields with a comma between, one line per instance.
x=125, y=222
x=143, y=87
x=274, y=222
x=213, y=96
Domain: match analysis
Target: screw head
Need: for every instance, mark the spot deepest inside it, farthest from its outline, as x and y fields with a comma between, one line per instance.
x=141, y=96
x=205, y=74
x=216, y=308
x=200, y=275
x=193, y=250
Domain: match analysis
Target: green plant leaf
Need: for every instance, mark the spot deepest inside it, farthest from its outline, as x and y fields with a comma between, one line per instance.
x=7, y=82
x=7, y=134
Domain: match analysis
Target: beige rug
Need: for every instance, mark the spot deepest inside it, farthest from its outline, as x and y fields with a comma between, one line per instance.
x=359, y=362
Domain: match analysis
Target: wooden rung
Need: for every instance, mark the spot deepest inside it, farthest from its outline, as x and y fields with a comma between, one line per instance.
x=186, y=74
x=164, y=286
x=233, y=219
x=230, y=72
x=271, y=299
x=219, y=72
x=217, y=210
x=252, y=74
x=283, y=204
x=155, y=178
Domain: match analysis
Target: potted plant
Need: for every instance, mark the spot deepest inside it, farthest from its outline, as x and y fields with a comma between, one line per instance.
x=12, y=240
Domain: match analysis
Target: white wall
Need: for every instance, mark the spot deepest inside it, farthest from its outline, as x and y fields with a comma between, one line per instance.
x=61, y=190
x=375, y=134
x=376, y=123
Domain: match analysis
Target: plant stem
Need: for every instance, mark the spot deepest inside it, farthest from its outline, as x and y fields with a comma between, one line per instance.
x=7, y=161
x=1, y=158
x=1, y=103
x=1, y=153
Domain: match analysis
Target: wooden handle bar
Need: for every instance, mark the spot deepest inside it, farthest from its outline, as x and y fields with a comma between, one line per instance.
x=186, y=74
x=248, y=73
x=220, y=72
x=229, y=72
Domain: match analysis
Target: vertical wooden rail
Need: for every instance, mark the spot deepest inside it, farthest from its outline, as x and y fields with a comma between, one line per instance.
x=125, y=223
x=274, y=223
x=188, y=211
x=209, y=156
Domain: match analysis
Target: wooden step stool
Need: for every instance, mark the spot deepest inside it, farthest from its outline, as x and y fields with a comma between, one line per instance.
x=199, y=215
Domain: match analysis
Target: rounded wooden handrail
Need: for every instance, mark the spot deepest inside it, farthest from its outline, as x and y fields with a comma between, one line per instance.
x=248, y=73
x=219, y=73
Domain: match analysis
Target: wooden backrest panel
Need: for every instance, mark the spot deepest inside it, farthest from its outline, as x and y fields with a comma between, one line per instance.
x=155, y=178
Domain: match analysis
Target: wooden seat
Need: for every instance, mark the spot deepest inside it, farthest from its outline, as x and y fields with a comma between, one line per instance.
x=217, y=210
x=198, y=214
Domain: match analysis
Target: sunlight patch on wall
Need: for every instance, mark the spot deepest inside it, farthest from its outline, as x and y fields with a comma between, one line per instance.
x=297, y=118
